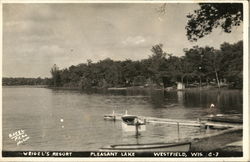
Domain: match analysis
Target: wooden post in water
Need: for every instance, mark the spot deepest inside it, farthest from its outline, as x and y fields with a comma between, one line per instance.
x=207, y=129
x=136, y=129
x=199, y=121
x=178, y=131
x=202, y=125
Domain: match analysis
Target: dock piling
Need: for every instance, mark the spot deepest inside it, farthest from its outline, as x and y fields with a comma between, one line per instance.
x=178, y=130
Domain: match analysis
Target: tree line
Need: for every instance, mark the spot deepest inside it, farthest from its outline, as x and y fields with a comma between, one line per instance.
x=9, y=81
x=200, y=66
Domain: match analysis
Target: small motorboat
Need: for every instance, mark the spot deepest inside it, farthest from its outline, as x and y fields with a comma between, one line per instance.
x=133, y=123
x=174, y=146
x=132, y=120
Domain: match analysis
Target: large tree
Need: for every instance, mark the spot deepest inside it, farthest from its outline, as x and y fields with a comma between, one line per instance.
x=157, y=63
x=55, y=72
x=213, y=15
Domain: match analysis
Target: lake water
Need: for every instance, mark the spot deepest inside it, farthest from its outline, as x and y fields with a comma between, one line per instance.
x=64, y=120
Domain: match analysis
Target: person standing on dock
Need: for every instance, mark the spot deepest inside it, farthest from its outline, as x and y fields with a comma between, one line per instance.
x=212, y=110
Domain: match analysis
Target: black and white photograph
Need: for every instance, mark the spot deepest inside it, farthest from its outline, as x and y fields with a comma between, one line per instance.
x=95, y=80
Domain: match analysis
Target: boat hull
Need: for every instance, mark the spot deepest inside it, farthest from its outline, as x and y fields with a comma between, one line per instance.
x=131, y=123
x=178, y=146
x=132, y=128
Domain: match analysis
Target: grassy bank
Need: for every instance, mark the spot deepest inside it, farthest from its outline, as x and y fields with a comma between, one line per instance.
x=218, y=142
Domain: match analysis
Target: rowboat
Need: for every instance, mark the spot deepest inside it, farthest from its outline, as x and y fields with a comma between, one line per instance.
x=174, y=146
x=132, y=123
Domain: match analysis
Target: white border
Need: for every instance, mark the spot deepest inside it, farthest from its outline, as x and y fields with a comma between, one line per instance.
x=246, y=88
x=1, y=51
x=246, y=81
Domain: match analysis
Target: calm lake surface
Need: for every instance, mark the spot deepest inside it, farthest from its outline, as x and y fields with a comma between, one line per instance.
x=39, y=112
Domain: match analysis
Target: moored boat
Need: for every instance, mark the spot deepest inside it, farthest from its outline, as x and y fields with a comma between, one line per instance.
x=173, y=146
x=133, y=123
x=132, y=120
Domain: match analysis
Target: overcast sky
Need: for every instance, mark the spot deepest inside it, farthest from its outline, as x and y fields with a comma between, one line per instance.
x=37, y=36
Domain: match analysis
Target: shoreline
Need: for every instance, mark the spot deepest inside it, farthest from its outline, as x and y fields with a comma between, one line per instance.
x=145, y=88
x=124, y=88
x=220, y=141
x=25, y=86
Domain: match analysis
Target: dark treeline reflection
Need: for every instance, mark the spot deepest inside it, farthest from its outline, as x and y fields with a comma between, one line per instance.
x=225, y=101
x=230, y=101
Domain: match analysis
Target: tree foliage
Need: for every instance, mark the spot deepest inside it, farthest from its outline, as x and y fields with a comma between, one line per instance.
x=213, y=15
x=56, y=77
x=198, y=65
x=232, y=63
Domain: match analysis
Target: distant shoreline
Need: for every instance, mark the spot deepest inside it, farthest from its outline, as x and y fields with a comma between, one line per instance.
x=119, y=88
x=25, y=86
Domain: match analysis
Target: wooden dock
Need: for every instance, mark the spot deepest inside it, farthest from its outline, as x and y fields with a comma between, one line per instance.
x=180, y=122
x=194, y=123
x=202, y=142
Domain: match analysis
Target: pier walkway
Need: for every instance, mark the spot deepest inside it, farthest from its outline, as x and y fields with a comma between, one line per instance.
x=180, y=122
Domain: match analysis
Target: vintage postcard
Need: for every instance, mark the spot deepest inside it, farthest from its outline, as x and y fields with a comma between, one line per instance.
x=123, y=80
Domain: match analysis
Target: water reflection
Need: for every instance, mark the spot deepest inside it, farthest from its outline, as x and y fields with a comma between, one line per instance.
x=226, y=101
x=180, y=95
x=172, y=104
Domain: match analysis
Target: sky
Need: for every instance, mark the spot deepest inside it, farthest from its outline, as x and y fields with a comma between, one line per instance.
x=37, y=36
